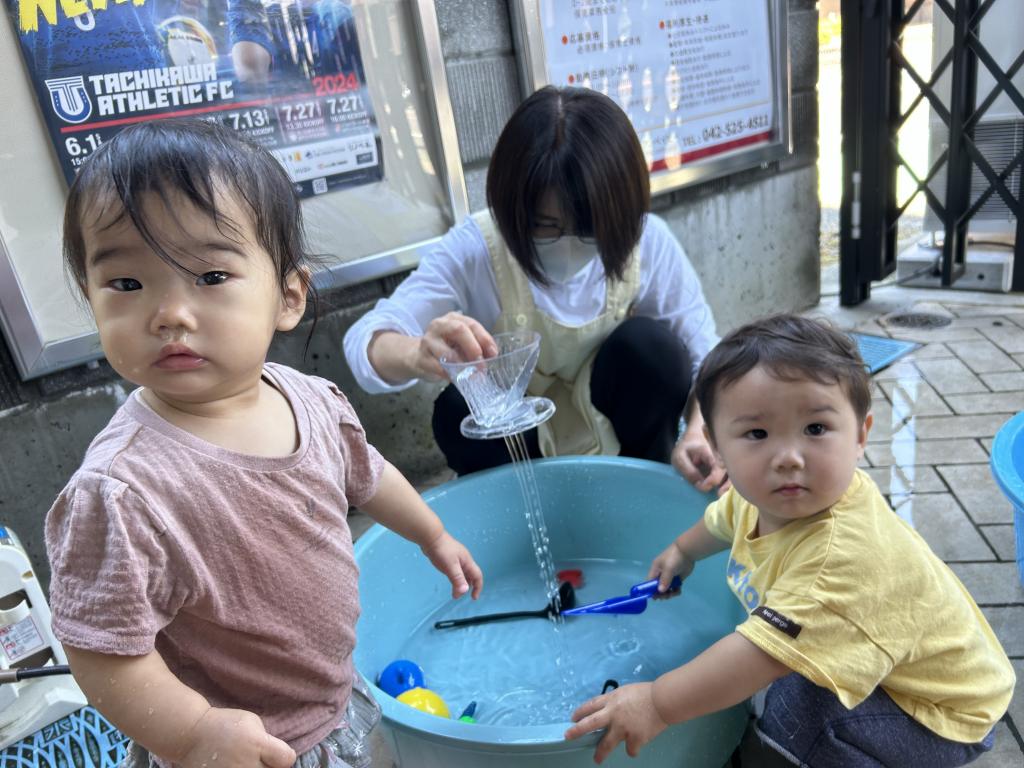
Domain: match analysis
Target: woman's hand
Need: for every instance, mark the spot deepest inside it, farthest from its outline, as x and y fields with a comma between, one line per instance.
x=398, y=358
x=452, y=559
x=455, y=337
x=693, y=459
x=628, y=713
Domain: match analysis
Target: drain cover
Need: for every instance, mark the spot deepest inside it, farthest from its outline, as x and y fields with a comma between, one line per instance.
x=920, y=320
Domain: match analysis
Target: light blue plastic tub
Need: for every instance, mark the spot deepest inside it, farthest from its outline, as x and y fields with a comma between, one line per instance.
x=1008, y=468
x=595, y=507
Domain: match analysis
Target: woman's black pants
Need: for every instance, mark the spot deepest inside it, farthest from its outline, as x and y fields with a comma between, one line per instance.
x=640, y=381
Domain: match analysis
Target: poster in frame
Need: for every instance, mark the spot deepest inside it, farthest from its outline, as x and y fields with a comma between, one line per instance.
x=362, y=229
x=704, y=82
x=288, y=74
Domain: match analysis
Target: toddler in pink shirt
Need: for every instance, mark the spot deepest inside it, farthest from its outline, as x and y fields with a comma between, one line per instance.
x=203, y=581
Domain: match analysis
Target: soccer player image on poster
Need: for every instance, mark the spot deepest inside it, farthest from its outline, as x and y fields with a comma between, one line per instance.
x=287, y=73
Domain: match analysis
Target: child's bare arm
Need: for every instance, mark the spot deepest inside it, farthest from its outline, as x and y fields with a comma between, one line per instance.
x=681, y=555
x=728, y=672
x=397, y=506
x=146, y=702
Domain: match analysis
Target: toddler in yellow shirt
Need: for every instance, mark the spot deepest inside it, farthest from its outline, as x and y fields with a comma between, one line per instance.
x=875, y=653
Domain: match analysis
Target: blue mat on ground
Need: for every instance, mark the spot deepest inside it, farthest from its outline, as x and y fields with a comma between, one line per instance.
x=83, y=739
x=881, y=351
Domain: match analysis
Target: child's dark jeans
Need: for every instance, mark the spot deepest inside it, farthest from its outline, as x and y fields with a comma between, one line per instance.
x=809, y=727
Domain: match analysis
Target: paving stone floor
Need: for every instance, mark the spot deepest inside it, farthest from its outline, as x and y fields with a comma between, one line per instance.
x=936, y=412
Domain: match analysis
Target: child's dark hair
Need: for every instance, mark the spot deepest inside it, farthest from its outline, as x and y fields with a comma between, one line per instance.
x=197, y=159
x=579, y=144
x=791, y=348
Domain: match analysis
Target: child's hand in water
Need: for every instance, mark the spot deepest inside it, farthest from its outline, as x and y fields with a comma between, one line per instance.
x=235, y=738
x=666, y=565
x=452, y=559
x=628, y=713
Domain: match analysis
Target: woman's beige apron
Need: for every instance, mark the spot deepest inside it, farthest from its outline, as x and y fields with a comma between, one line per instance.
x=566, y=353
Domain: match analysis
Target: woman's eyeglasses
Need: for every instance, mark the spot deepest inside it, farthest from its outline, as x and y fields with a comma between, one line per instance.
x=549, y=234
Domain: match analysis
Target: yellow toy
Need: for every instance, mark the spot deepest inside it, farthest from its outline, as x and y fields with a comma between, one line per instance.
x=425, y=700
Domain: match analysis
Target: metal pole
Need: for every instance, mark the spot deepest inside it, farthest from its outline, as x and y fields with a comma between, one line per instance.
x=958, y=171
x=852, y=289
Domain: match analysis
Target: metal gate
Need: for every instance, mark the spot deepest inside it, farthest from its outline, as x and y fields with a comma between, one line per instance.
x=965, y=186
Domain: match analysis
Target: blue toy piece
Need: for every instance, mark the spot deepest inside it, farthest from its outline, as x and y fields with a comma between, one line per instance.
x=468, y=712
x=634, y=602
x=650, y=588
x=400, y=676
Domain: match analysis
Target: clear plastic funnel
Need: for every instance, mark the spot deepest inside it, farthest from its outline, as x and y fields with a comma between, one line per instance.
x=494, y=387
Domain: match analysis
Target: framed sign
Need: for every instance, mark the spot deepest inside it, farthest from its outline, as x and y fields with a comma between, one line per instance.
x=349, y=95
x=288, y=76
x=704, y=82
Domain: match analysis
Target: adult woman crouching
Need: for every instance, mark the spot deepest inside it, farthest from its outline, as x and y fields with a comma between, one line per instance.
x=567, y=248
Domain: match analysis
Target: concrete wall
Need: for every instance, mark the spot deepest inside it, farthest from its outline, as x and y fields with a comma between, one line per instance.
x=753, y=238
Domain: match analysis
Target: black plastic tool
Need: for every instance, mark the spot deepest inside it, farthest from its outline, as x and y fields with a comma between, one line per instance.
x=566, y=597
x=16, y=674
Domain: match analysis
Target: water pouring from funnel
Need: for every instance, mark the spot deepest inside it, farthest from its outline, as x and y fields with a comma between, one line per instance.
x=494, y=388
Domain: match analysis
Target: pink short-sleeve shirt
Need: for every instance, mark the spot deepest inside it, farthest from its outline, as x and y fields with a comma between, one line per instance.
x=237, y=569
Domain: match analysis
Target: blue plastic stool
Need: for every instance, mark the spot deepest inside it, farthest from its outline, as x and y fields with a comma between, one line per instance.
x=83, y=739
x=1008, y=469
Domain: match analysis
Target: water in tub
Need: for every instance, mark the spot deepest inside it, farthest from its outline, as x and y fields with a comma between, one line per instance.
x=509, y=668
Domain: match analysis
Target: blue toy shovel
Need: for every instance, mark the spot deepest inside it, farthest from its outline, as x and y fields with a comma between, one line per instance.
x=634, y=602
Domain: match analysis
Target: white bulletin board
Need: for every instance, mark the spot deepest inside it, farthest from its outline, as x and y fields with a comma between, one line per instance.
x=704, y=82
x=364, y=231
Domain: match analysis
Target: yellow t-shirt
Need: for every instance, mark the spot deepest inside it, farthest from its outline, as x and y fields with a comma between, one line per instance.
x=853, y=598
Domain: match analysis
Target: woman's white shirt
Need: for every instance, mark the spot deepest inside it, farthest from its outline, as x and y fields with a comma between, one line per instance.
x=456, y=275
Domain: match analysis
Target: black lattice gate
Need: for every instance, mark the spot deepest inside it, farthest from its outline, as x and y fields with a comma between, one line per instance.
x=933, y=136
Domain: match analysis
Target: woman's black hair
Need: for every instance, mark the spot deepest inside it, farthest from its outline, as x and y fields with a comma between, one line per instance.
x=577, y=143
x=198, y=160
x=791, y=348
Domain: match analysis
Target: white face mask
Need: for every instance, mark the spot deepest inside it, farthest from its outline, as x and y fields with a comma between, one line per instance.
x=565, y=257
